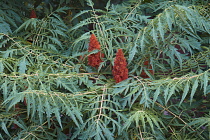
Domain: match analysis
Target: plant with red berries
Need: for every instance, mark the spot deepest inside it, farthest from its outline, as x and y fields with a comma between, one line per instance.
x=120, y=71
x=48, y=91
x=94, y=59
x=33, y=14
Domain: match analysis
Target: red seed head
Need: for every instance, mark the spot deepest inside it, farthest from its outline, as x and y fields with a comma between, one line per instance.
x=120, y=71
x=33, y=14
x=94, y=44
x=94, y=60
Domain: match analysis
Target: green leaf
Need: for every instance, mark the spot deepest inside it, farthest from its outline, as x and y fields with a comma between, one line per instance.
x=3, y=126
x=80, y=13
x=60, y=33
x=119, y=90
x=13, y=100
x=90, y=3
x=1, y=66
x=169, y=19
x=142, y=44
x=166, y=92
x=107, y=5
x=40, y=109
x=156, y=94
x=20, y=124
x=186, y=89
x=132, y=53
x=135, y=97
x=57, y=115
x=154, y=35
x=194, y=88
x=22, y=65
x=55, y=40
x=172, y=92
x=160, y=28
x=4, y=27
x=5, y=89
x=205, y=82
x=178, y=55
x=26, y=24
x=62, y=9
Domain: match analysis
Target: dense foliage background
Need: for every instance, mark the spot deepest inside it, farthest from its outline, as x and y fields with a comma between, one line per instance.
x=48, y=90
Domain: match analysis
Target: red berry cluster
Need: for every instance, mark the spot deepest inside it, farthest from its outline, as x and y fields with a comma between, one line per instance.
x=33, y=14
x=94, y=60
x=120, y=71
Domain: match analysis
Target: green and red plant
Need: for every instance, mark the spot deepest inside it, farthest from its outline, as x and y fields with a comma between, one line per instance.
x=48, y=92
